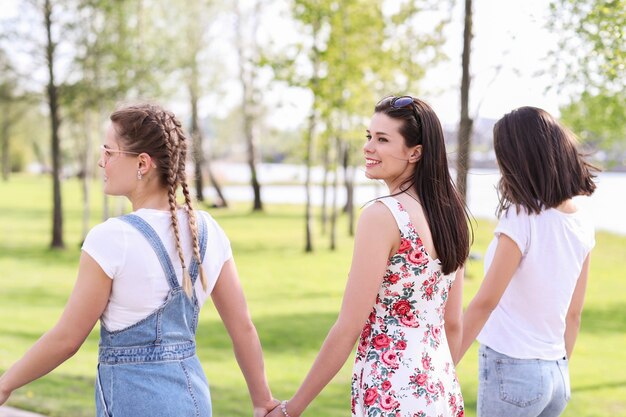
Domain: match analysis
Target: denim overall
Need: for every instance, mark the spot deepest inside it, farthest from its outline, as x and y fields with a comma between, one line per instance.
x=151, y=369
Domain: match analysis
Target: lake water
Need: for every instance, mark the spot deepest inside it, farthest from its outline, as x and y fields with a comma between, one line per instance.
x=606, y=205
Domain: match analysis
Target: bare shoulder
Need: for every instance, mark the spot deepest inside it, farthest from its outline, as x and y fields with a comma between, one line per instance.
x=377, y=218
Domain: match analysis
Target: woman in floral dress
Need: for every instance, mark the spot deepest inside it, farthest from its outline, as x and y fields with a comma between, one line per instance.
x=404, y=288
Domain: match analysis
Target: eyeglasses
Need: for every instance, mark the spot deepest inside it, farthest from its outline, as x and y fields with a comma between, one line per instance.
x=107, y=153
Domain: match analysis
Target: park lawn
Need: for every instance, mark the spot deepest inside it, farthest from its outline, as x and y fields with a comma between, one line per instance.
x=293, y=298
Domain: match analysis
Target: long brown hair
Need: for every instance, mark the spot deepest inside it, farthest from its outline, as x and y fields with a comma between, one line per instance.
x=151, y=129
x=444, y=209
x=539, y=160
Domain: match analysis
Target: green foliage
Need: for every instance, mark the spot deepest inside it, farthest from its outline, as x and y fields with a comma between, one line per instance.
x=591, y=57
x=598, y=119
x=592, y=47
x=293, y=297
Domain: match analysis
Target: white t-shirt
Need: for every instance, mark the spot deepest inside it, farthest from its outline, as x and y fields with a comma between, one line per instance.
x=529, y=321
x=139, y=283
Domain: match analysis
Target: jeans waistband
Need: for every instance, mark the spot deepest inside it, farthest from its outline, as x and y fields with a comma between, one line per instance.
x=152, y=353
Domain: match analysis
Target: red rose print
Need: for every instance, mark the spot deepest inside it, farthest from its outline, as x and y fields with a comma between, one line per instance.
x=363, y=344
x=417, y=257
x=390, y=358
x=402, y=307
x=405, y=245
x=366, y=331
x=381, y=341
x=409, y=320
x=421, y=379
x=393, y=278
x=386, y=385
x=371, y=394
x=432, y=388
x=387, y=402
x=401, y=345
x=436, y=333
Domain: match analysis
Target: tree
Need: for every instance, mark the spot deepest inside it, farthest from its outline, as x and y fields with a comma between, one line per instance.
x=465, y=124
x=590, y=64
x=10, y=98
x=248, y=55
x=195, y=15
x=55, y=121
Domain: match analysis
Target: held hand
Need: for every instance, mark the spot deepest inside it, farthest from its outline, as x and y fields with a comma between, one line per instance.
x=276, y=413
x=262, y=411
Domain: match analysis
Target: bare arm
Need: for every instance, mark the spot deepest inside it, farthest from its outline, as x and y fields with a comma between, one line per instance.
x=231, y=305
x=574, y=313
x=83, y=309
x=454, y=315
x=375, y=237
x=505, y=262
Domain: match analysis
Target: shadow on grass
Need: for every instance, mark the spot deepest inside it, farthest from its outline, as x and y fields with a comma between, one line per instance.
x=608, y=319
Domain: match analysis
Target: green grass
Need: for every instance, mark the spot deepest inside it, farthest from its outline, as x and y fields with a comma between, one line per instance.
x=293, y=297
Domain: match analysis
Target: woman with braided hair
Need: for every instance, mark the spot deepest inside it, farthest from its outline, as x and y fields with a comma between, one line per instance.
x=145, y=276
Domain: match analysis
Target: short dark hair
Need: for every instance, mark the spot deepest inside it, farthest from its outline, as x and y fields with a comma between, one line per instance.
x=539, y=160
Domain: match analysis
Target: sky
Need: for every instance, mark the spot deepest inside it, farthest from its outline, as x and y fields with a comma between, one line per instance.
x=508, y=34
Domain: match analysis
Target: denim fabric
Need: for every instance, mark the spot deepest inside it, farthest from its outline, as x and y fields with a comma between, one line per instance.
x=509, y=387
x=151, y=368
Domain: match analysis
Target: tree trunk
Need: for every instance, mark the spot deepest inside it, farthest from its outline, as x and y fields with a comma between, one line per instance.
x=57, y=211
x=87, y=172
x=324, y=208
x=247, y=78
x=333, y=208
x=348, y=179
x=221, y=199
x=465, y=125
x=308, y=158
x=196, y=137
x=4, y=138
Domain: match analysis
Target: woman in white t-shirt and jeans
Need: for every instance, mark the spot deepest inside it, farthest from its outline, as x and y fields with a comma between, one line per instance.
x=145, y=277
x=527, y=311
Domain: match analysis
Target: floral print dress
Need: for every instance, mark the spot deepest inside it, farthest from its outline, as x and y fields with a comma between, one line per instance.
x=403, y=366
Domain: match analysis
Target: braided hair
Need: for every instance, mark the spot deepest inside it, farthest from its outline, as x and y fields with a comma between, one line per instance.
x=151, y=129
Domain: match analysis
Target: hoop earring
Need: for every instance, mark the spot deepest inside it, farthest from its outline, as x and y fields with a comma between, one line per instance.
x=139, y=174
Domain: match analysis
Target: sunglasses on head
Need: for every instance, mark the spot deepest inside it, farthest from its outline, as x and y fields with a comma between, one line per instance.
x=402, y=102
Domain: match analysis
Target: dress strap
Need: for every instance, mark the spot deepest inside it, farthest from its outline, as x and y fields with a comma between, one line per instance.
x=153, y=238
x=397, y=210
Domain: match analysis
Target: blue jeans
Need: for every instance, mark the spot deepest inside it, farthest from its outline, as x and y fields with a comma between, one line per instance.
x=509, y=387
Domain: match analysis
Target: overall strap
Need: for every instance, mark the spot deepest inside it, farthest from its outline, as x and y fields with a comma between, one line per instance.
x=153, y=238
x=202, y=238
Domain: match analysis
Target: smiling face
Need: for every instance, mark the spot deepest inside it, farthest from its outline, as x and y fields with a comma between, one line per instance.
x=387, y=157
x=120, y=167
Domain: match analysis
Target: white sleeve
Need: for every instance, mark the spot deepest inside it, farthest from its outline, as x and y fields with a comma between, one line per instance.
x=516, y=226
x=106, y=244
x=218, y=250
